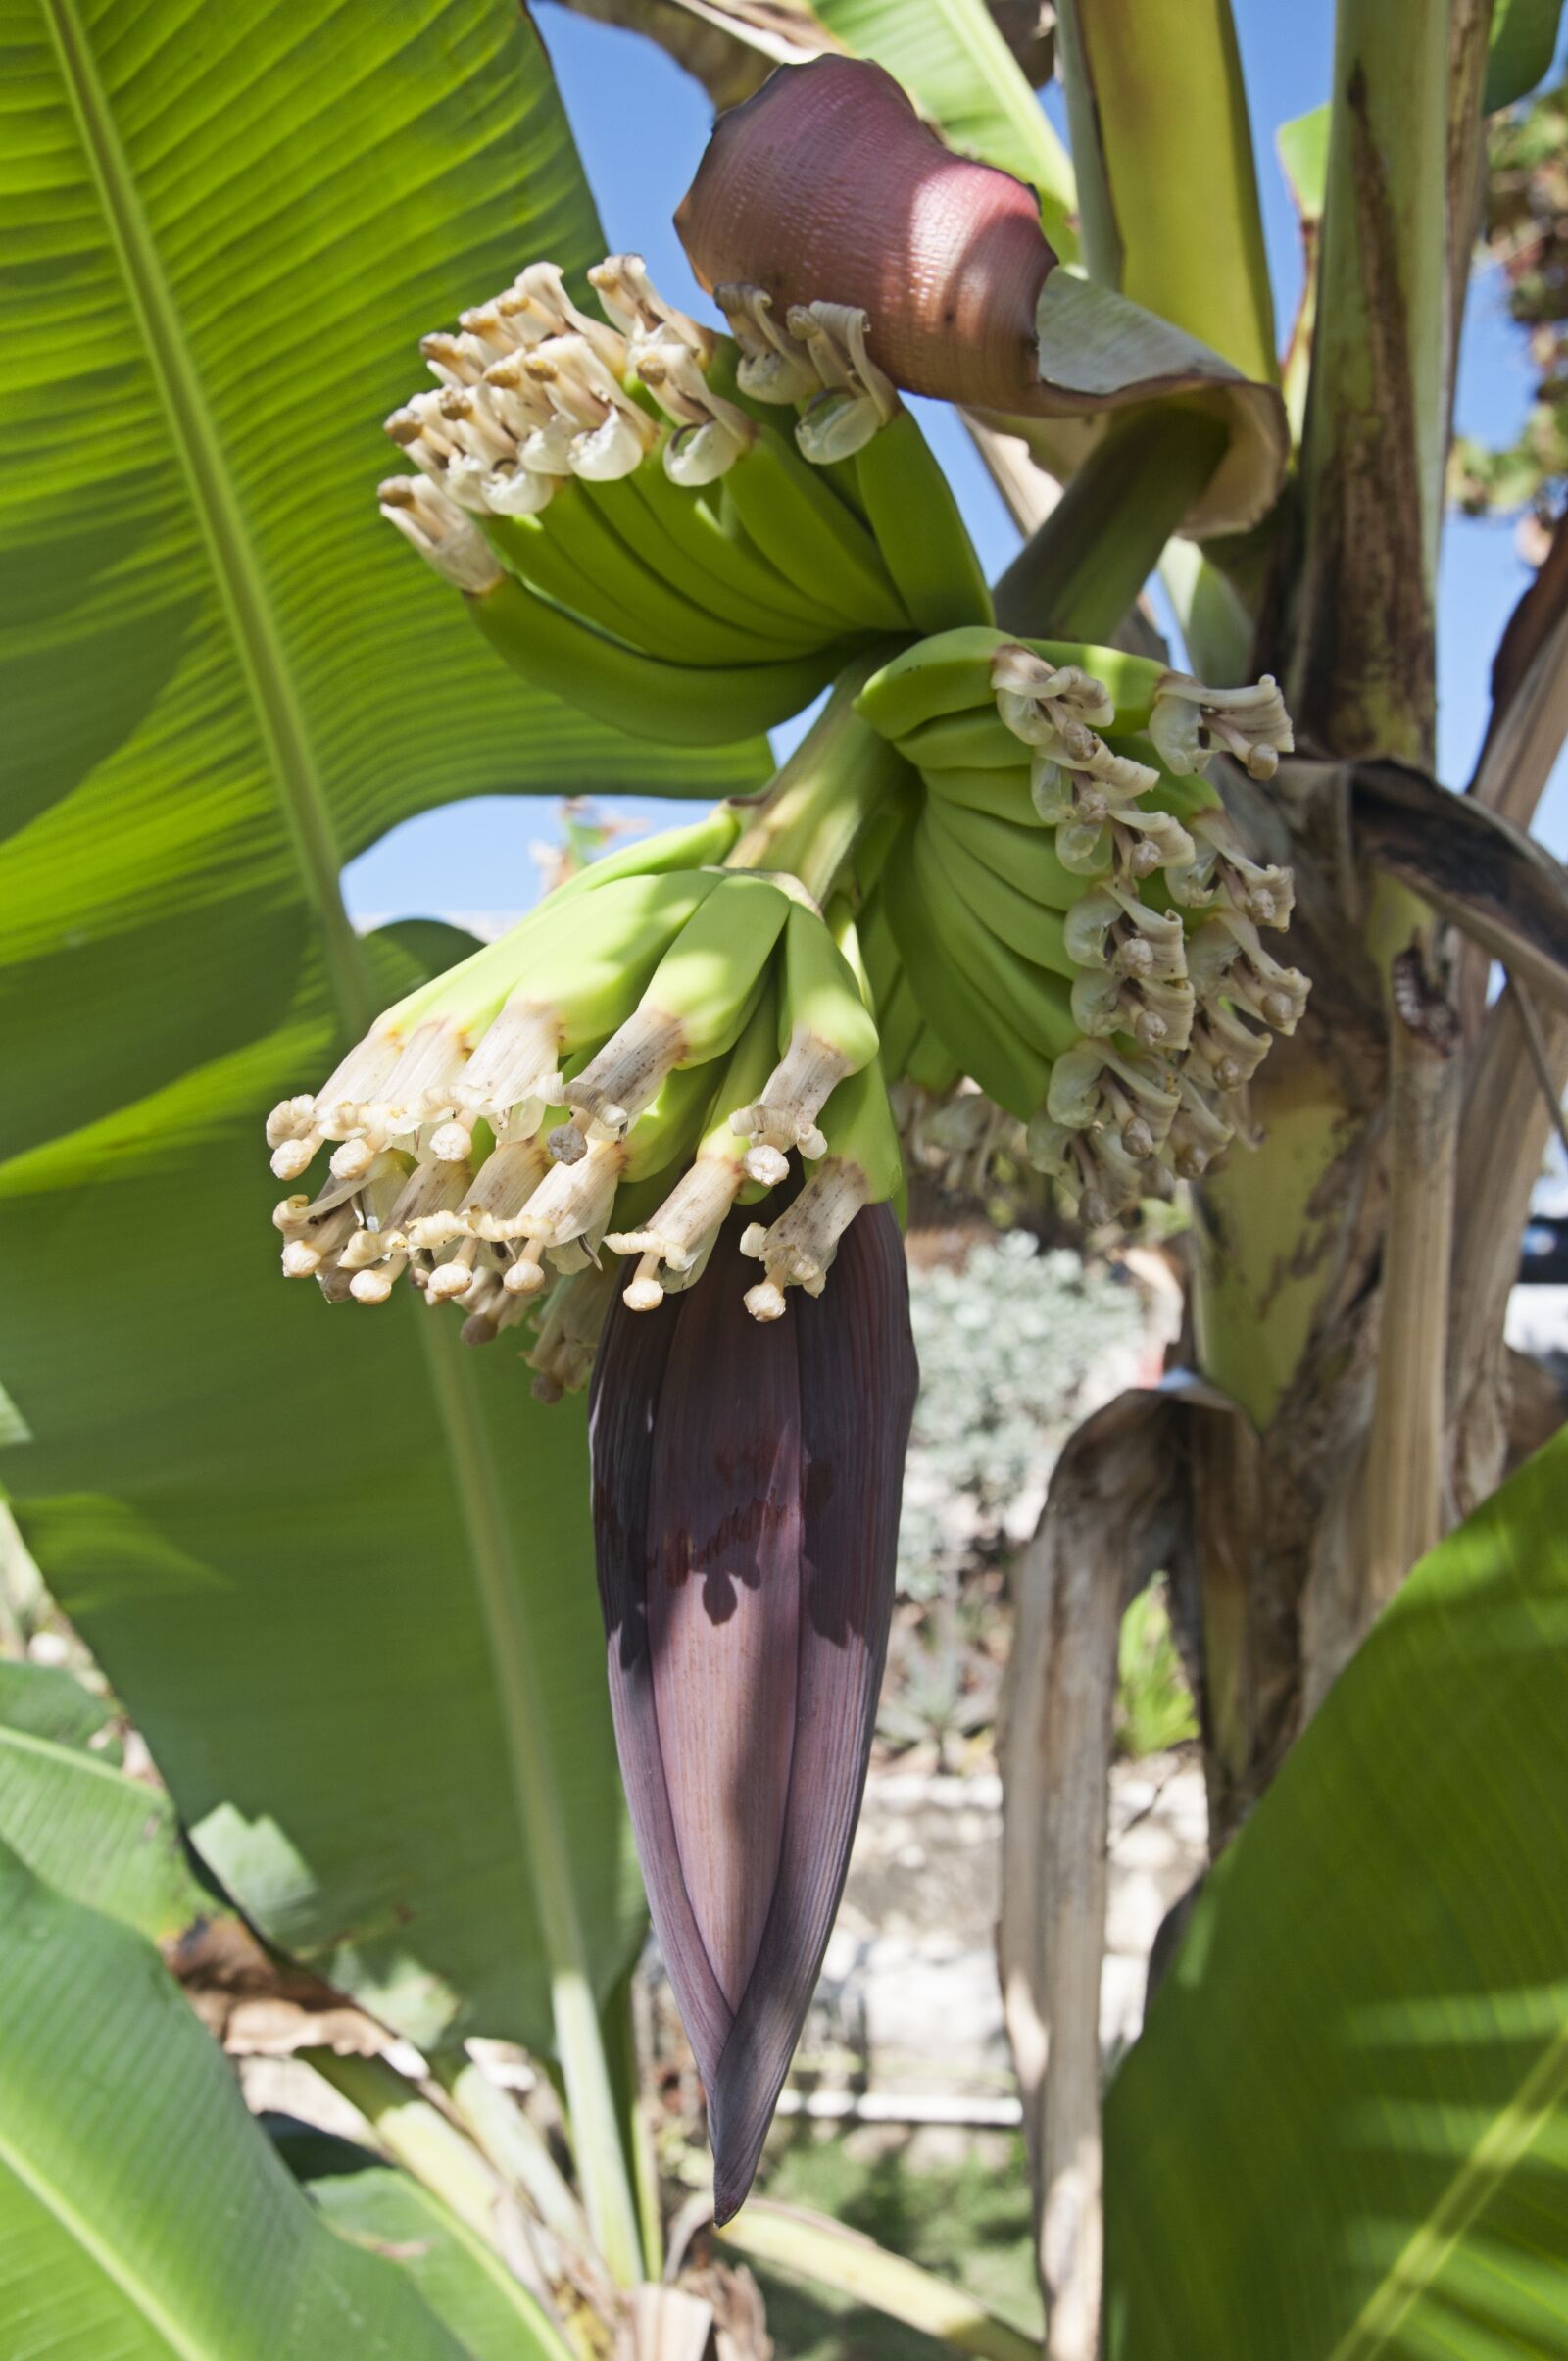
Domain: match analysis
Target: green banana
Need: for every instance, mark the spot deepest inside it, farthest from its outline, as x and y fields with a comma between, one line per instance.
x=1025, y=857
x=878, y=949
x=552, y=985
x=674, y=1236
x=692, y=1008
x=977, y=740
x=899, y=1026
x=571, y=553
x=574, y=1201
x=1007, y=1068
x=949, y=673
x=1031, y=928
x=718, y=568
x=679, y=704
x=630, y=516
x=701, y=846
x=826, y=1033
x=931, y=1065
x=861, y=1165
x=1036, y=1003
x=803, y=530
x=999, y=795
x=585, y=967
x=919, y=530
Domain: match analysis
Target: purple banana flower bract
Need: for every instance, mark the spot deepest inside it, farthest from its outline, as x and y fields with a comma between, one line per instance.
x=746, y=1484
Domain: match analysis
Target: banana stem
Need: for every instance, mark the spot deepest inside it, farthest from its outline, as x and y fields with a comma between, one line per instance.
x=1097, y=549
x=1362, y=676
x=814, y=811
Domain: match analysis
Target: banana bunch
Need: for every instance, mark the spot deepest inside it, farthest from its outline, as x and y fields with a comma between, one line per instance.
x=651, y=1047
x=852, y=422
x=1068, y=912
x=631, y=527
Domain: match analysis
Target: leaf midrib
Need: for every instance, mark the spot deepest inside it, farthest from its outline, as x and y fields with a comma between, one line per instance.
x=72, y=1759
x=236, y=572
x=131, y=2284
x=1416, y=2269
x=260, y=648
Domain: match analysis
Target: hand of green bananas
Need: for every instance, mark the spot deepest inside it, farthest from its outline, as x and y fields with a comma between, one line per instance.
x=633, y=531
x=1066, y=917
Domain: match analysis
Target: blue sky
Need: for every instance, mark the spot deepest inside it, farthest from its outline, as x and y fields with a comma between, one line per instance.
x=641, y=125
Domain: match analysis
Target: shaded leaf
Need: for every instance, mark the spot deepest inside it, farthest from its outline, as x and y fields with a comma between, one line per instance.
x=142, y=2212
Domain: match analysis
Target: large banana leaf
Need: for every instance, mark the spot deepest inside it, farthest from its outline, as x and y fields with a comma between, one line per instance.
x=336, y=1567
x=142, y=2212
x=1344, y=2130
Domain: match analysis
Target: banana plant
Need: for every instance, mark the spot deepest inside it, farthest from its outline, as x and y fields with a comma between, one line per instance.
x=337, y=1565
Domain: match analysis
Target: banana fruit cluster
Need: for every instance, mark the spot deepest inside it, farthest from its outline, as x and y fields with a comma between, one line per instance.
x=651, y=1047
x=634, y=528
x=1067, y=914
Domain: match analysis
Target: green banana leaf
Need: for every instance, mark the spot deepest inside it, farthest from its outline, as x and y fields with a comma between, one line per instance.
x=77, y=1822
x=1344, y=2130
x=336, y=1566
x=463, y=2282
x=142, y=2211
x=963, y=76
x=51, y=1703
x=1520, y=48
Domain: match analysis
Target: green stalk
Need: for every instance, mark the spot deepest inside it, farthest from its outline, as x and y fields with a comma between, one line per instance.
x=1163, y=146
x=818, y=805
x=515, y=2147
x=1083, y=570
x=418, y=2136
x=595, y=2127
x=1362, y=678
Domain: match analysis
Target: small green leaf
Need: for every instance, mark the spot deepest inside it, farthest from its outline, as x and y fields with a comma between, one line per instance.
x=1303, y=147
x=1522, y=46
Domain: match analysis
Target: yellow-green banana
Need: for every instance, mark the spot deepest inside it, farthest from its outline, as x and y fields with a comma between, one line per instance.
x=693, y=1006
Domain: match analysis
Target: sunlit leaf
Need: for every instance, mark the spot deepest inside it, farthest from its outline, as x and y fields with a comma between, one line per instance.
x=1344, y=2130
